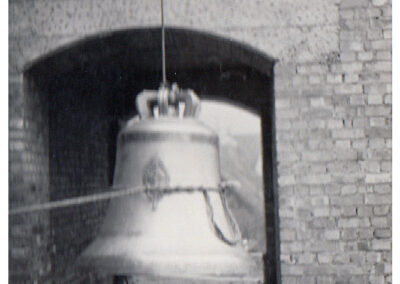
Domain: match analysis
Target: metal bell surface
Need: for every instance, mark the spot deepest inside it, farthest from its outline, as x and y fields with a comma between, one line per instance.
x=177, y=225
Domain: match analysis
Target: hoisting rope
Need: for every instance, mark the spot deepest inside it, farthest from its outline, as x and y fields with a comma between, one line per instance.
x=117, y=192
x=120, y=192
x=232, y=222
x=164, y=76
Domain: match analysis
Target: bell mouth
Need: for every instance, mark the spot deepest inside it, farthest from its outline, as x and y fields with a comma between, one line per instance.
x=162, y=267
x=176, y=240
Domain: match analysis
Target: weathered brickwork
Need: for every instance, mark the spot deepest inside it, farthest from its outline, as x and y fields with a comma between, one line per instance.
x=333, y=120
x=334, y=153
x=29, y=235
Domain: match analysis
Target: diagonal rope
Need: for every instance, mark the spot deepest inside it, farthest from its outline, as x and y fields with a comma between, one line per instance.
x=72, y=201
x=120, y=192
x=117, y=192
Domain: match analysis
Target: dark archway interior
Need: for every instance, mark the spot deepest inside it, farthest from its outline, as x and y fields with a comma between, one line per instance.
x=91, y=86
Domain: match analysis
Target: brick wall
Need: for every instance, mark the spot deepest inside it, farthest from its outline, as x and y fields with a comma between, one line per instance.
x=29, y=235
x=332, y=109
x=333, y=120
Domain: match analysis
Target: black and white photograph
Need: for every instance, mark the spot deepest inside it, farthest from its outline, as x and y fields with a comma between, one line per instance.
x=199, y=141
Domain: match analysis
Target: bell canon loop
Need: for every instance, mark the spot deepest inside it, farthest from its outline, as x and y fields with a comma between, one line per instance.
x=178, y=224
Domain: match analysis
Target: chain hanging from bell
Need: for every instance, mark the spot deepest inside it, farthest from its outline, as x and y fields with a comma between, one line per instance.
x=179, y=225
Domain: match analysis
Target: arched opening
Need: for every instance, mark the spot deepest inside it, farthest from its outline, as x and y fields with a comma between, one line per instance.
x=87, y=90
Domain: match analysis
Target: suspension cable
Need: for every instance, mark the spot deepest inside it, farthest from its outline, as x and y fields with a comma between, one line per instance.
x=164, y=76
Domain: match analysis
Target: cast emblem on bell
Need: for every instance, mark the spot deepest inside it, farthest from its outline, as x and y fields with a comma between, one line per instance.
x=177, y=224
x=155, y=175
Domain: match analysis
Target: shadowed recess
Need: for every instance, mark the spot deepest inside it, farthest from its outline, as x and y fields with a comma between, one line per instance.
x=90, y=88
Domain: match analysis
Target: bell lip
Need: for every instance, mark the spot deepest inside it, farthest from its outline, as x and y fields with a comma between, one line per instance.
x=240, y=269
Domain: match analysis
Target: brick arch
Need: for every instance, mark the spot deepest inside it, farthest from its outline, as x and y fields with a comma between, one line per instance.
x=203, y=48
x=87, y=89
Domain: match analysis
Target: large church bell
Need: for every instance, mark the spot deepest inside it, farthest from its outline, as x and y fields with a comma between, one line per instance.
x=176, y=224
